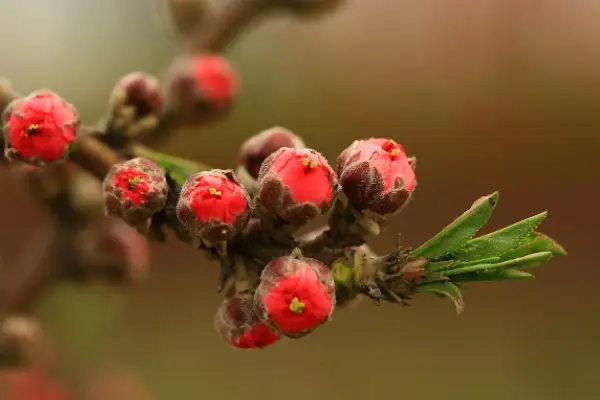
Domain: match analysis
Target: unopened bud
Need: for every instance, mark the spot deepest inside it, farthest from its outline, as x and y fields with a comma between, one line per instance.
x=296, y=184
x=134, y=190
x=257, y=148
x=20, y=342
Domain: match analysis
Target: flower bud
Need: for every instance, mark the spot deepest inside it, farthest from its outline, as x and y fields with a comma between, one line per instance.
x=33, y=383
x=295, y=295
x=134, y=190
x=202, y=82
x=138, y=91
x=376, y=175
x=20, y=342
x=40, y=129
x=111, y=251
x=257, y=148
x=237, y=323
x=296, y=184
x=213, y=205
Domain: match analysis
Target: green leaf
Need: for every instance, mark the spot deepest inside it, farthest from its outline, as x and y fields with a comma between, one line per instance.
x=498, y=242
x=455, y=235
x=436, y=266
x=534, y=243
x=446, y=289
x=497, y=275
x=179, y=168
x=529, y=261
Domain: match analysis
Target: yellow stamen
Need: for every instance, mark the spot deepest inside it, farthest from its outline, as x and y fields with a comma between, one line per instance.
x=309, y=164
x=32, y=129
x=297, y=306
x=214, y=192
x=395, y=152
x=134, y=181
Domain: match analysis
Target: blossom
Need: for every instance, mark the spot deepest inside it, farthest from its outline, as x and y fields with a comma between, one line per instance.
x=296, y=184
x=237, y=322
x=213, y=205
x=257, y=148
x=40, y=128
x=138, y=90
x=377, y=175
x=206, y=79
x=134, y=190
x=295, y=295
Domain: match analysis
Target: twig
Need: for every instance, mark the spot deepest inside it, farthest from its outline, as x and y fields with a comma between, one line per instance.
x=236, y=17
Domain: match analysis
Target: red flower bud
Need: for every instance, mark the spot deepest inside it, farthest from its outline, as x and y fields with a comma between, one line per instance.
x=295, y=295
x=377, y=175
x=111, y=251
x=33, y=384
x=213, y=205
x=202, y=80
x=260, y=146
x=40, y=128
x=296, y=184
x=237, y=323
x=135, y=190
x=140, y=91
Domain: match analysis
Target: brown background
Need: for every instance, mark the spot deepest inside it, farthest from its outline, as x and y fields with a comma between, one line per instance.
x=490, y=95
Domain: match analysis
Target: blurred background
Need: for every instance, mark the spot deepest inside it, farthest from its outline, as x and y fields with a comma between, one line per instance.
x=489, y=95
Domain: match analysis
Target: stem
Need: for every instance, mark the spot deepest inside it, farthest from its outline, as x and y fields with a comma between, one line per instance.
x=236, y=17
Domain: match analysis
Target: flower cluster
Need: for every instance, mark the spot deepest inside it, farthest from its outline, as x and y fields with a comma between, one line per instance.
x=295, y=296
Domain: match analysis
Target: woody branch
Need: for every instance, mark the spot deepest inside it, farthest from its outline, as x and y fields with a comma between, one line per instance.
x=248, y=219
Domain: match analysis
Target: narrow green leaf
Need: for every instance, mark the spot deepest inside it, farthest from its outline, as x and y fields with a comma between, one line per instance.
x=529, y=261
x=179, y=168
x=490, y=260
x=498, y=275
x=455, y=235
x=534, y=243
x=498, y=242
x=446, y=289
x=435, y=266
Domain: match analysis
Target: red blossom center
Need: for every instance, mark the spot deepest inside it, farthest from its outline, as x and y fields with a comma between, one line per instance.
x=218, y=198
x=298, y=302
x=133, y=185
x=306, y=176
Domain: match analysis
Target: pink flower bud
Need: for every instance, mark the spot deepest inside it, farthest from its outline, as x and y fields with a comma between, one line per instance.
x=202, y=80
x=40, y=129
x=111, y=251
x=140, y=91
x=236, y=321
x=377, y=175
x=134, y=190
x=295, y=295
x=260, y=146
x=213, y=205
x=296, y=184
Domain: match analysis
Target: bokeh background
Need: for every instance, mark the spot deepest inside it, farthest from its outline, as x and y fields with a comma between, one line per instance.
x=490, y=95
